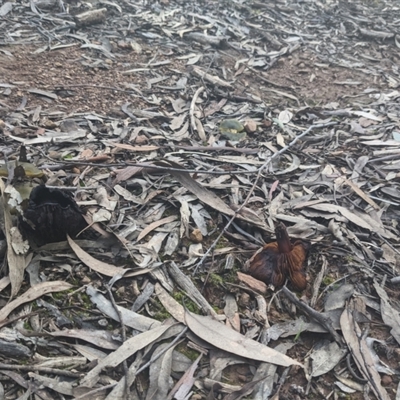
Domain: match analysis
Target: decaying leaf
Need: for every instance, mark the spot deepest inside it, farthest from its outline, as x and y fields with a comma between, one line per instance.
x=160, y=370
x=19, y=245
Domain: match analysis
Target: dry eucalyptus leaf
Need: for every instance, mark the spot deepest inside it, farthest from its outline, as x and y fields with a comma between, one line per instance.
x=363, y=220
x=16, y=260
x=285, y=116
x=32, y=294
x=130, y=318
x=64, y=388
x=99, y=338
x=184, y=385
x=337, y=298
x=390, y=315
x=184, y=282
x=155, y=225
x=325, y=356
x=359, y=349
x=170, y=304
x=222, y=337
x=353, y=385
x=380, y=366
x=344, y=388
x=126, y=350
x=159, y=374
x=96, y=265
x=19, y=245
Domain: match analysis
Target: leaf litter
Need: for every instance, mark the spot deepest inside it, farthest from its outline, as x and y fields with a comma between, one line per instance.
x=126, y=106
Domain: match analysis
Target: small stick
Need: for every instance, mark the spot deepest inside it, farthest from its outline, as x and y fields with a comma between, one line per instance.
x=315, y=315
x=46, y=370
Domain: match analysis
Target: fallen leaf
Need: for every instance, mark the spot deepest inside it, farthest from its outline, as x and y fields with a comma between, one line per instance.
x=96, y=265
x=184, y=385
x=359, y=349
x=222, y=337
x=16, y=260
x=155, y=225
x=126, y=350
x=390, y=315
x=32, y=294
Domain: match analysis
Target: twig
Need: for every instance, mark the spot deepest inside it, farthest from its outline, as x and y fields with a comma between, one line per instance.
x=315, y=315
x=274, y=297
x=89, y=395
x=259, y=172
x=156, y=357
x=388, y=243
x=46, y=370
x=72, y=188
x=144, y=166
x=208, y=274
x=86, y=85
x=12, y=320
x=358, y=378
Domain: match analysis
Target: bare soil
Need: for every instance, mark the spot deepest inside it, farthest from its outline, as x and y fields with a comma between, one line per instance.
x=82, y=85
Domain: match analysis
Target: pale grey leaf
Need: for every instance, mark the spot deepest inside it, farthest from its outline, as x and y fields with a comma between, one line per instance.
x=229, y=340
x=325, y=356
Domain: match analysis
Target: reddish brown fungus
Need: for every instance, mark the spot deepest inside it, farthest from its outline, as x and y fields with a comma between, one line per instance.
x=281, y=260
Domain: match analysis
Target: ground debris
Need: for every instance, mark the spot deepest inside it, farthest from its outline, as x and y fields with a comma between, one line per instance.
x=130, y=115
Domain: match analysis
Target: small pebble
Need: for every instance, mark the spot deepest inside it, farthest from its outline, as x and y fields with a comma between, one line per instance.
x=196, y=236
x=250, y=126
x=244, y=299
x=387, y=380
x=121, y=291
